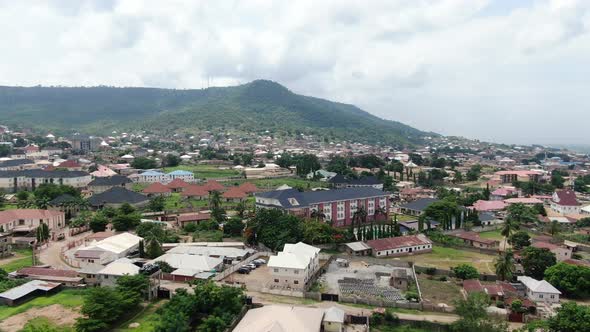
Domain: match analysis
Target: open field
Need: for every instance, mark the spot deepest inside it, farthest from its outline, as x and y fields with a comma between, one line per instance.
x=445, y=258
x=492, y=235
x=22, y=258
x=69, y=298
x=271, y=184
x=435, y=291
x=205, y=171
x=146, y=319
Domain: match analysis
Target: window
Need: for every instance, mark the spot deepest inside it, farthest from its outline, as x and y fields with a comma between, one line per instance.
x=540, y=296
x=296, y=282
x=21, y=222
x=552, y=296
x=296, y=271
x=106, y=276
x=276, y=280
x=276, y=270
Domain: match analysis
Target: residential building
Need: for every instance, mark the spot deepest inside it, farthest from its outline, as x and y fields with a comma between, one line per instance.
x=189, y=265
x=85, y=143
x=333, y=320
x=337, y=206
x=539, y=290
x=234, y=194
x=156, y=189
x=13, y=181
x=17, y=164
x=294, y=267
x=151, y=177
x=68, y=278
x=561, y=253
x=565, y=202
x=489, y=206
x=195, y=192
x=107, y=250
x=400, y=245
x=117, y=196
x=321, y=174
x=5, y=244
x=281, y=318
x=268, y=171
x=520, y=176
x=340, y=181
x=102, y=184
x=472, y=239
x=28, y=291
x=27, y=220
x=108, y=275
x=417, y=207
x=177, y=185
x=185, y=176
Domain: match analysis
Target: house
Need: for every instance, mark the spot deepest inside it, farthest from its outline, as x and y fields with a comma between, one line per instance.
x=117, y=196
x=70, y=165
x=340, y=181
x=68, y=278
x=185, y=176
x=102, y=184
x=489, y=206
x=280, y=318
x=16, y=164
x=26, y=292
x=539, y=291
x=337, y=205
x=108, y=276
x=489, y=219
x=234, y=194
x=400, y=245
x=561, y=253
x=412, y=194
x=565, y=202
x=27, y=220
x=151, y=177
x=269, y=170
x=528, y=201
x=194, y=191
x=417, y=207
x=333, y=320
x=213, y=185
x=358, y=248
x=520, y=176
x=66, y=203
x=156, y=189
x=294, y=267
x=177, y=185
x=85, y=143
x=183, y=219
x=503, y=193
x=107, y=250
x=472, y=239
x=497, y=292
x=399, y=279
x=248, y=188
x=188, y=266
x=13, y=181
x=321, y=174
x=5, y=244
x=102, y=171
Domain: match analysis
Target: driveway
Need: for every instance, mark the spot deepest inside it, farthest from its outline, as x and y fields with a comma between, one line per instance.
x=49, y=253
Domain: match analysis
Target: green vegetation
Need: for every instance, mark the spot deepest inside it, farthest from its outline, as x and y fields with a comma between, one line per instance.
x=465, y=271
x=69, y=298
x=492, y=235
x=147, y=319
x=445, y=258
x=536, y=260
x=205, y=171
x=474, y=316
x=570, y=317
x=437, y=291
x=16, y=264
x=43, y=324
x=249, y=107
x=572, y=280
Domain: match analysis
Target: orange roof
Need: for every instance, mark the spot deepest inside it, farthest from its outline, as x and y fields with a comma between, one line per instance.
x=69, y=164
x=156, y=188
x=213, y=185
x=10, y=215
x=234, y=192
x=248, y=187
x=177, y=183
x=194, y=190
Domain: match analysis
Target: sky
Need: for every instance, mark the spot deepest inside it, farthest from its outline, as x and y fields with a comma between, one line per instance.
x=510, y=71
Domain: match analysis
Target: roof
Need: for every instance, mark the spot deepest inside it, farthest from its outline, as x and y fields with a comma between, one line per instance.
x=541, y=286
x=16, y=162
x=156, y=188
x=194, y=190
x=39, y=173
x=248, y=187
x=545, y=245
x=358, y=246
x=472, y=285
x=120, y=267
x=398, y=242
x=294, y=256
x=115, y=180
x=152, y=173
x=210, y=251
x=117, y=195
x=473, y=236
x=61, y=199
x=565, y=197
x=292, y=198
x=14, y=214
x=213, y=185
x=334, y=315
x=518, y=173
x=197, y=216
x=177, y=184
x=69, y=164
x=278, y=318
x=103, y=171
x=523, y=200
x=25, y=289
x=482, y=205
x=234, y=192
x=419, y=204
x=117, y=243
x=197, y=263
x=42, y=271
x=180, y=172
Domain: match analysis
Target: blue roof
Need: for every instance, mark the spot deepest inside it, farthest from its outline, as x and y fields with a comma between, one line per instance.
x=292, y=198
x=180, y=172
x=152, y=173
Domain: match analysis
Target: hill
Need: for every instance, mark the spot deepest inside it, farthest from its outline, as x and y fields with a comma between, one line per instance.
x=255, y=106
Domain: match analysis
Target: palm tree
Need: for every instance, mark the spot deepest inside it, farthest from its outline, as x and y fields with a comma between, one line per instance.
x=318, y=215
x=214, y=200
x=507, y=229
x=554, y=228
x=505, y=265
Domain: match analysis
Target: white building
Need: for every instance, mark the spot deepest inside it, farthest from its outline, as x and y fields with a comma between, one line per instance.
x=109, y=274
x=294, y=266
x=13, y=181
x=539, y=291
x=565, y=202
x=157, y=176
x=108, y=250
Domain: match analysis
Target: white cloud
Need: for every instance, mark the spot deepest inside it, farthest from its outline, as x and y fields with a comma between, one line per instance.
x=456, y=67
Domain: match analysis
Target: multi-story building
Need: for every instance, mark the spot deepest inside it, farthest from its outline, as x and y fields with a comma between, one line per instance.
x=339, y=181
x=27, y=220
x=565, y=202
x=85, y=143
x=520, y=176
x=295, y=266
x=102, y=184
x=13, y=181
x=153, y=176
x=337, y=206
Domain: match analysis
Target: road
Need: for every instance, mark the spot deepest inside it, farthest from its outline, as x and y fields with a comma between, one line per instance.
x=49, y=253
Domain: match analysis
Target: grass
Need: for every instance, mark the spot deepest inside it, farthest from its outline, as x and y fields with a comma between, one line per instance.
x=205, y=171
x=25, y=260
x=271, y=184
x=69, y=298
x=445, y=258
x=397, y=328
x=437, y=291
x=492, y=235
x=8, y=206
x=404, y=217
x=45, y=324
x=147, y=319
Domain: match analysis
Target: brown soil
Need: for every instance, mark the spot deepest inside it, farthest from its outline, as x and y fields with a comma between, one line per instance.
x=56, y=313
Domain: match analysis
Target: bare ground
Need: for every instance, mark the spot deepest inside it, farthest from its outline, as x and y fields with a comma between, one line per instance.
x=56, y=313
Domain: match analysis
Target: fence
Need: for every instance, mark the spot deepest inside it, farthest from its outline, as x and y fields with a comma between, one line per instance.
x=223, y=274
x=69, y=245
x=441, y=272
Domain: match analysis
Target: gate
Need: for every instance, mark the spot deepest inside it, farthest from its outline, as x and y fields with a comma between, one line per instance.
x=360, y=320
x=329, y=297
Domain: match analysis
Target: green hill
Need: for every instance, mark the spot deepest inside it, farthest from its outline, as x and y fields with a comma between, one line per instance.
x=259, y=105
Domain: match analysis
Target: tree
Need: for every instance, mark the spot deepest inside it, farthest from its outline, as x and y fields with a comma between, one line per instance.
x=98, y=223
x=536, y=260
x=217, y=212
x=474, y=316
x=505, y=265
x=274, y=228
x=520, y=240
x=317, y=232
x=474, y=173
x=164, y=266
x=132, y=288
x=42, y=233
x=521, y=214
x=465, y=271
x=154, y=248
x=141, y=249
x=233, y=227
x=171, y=160
x=156, y=204
x=570, y=317
x=143, y=163
x=572, y=280
x=212, y=324
x=101, y=308
x=507, y=229
x=554, y=228
x=125, y=222
x=307, y=163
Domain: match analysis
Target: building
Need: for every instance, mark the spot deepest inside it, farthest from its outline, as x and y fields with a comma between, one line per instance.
x=102, y=184
x=13, y=181
x=417, y=207
x=340, y=181
x=67, y=278
x=561, y=253
x=28, y=291
x=195, y=192
x=358, y=249
x=472, y=239
x=5, y=244
x=294, y=267
x=412, y=194
x=117, y=196
x=518, y=176
x=188, y=265
x=268, y=171
x=234, y=194
x=281, y=318
x=334, y=320
x=27, y=220
x=337, y=205
x=489, y=206
x=151, y=177
x=185, y=176
x=400, y=245
x=177, y=185
x=17, y=164
x=85, y=143
x=565, y=202
x=539, y=291
x=157, y=189
x=108, y=275
x=108, y=250
x=321, y=174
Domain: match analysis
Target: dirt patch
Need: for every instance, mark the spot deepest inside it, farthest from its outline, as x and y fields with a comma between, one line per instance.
x=56, y=313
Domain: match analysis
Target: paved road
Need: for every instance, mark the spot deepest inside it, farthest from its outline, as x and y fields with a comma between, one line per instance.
x=49, y=254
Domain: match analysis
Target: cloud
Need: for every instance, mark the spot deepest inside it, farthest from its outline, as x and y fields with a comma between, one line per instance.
x=498, y=70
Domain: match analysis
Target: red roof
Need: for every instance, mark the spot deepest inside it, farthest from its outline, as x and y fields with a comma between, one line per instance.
x=248, y=187
x=194, y=190
x=48, y=272
x=544, y=245
x=472, y=285
x=398, y=242
x=523, y=200
x=213, y=185
x=34, y=214
x=69, y=164
x=525, y=302
x=234, y=192
x=481, y=205
x=100, y=236
x=577, y=262
x=472, y=236
x=565, y=198
x=193, y=217
x=156, y=188
x=177, y=184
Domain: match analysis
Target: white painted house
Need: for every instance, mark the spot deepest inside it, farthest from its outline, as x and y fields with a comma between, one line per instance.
x=539, y=290
x=293, y=267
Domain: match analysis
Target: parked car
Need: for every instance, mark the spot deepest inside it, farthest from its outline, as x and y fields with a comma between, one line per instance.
x=243, y=270
x=260, y=260
x=252, y=266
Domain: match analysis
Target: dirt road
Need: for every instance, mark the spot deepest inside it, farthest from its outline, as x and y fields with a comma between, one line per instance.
x=49, y=254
